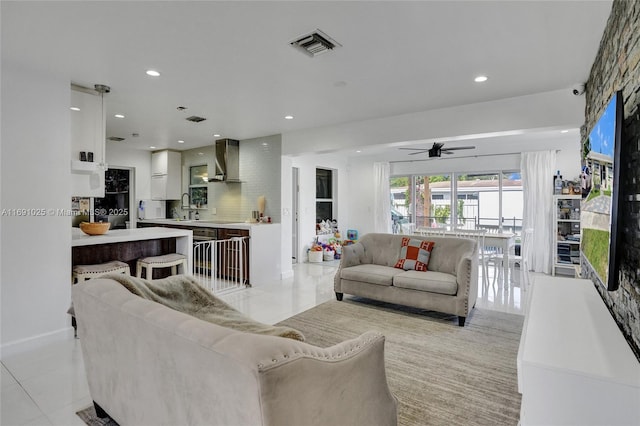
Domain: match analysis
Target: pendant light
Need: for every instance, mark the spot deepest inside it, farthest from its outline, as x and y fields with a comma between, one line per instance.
x=102, y=89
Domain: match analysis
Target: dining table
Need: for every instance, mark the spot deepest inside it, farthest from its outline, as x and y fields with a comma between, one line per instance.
x=499, y=242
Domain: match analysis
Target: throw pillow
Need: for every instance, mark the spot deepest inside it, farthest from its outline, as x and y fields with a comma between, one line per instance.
x=414, y=254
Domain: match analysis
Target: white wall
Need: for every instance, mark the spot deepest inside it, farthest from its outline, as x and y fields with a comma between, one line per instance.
x=307, y=165
x=35, y=250
x=119, y=155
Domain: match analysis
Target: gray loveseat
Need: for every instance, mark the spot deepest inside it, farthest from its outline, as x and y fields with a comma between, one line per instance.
x=450, y=285
x=148, y=364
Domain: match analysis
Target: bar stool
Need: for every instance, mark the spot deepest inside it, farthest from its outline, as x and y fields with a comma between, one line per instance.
x=82, y=273
x=165, y=261
x=85, y=272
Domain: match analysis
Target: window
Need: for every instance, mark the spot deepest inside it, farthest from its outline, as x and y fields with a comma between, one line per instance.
x=198, y=186
x=325, y=209
x=433, y=200
x=483, y=200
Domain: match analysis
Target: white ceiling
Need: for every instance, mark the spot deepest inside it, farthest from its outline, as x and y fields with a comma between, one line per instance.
x=231, y=61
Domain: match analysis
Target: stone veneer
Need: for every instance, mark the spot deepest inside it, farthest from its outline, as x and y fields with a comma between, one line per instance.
x=617, y=67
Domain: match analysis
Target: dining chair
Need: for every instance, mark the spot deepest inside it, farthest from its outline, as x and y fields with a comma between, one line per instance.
x=423, y=230
x=485, y=256
x=521, y=259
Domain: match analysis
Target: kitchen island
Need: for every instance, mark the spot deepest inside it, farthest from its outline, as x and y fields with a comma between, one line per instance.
x=264, y=265
x=129, y=245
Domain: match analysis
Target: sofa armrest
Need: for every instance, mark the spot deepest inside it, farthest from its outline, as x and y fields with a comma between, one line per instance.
x=352, y=255
x=467, y=277
x=342, y=384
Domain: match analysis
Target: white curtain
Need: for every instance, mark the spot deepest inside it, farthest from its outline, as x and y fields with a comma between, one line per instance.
x=381, y=198
x=538, y=169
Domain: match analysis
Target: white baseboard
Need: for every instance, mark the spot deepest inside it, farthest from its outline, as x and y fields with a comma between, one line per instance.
x=25, y=345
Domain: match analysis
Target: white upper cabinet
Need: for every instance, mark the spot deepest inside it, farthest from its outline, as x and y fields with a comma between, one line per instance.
x=166, y=175
x=88, y=137
x=159, y=163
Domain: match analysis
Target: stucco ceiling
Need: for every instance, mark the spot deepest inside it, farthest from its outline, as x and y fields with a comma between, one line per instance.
x=231, y=62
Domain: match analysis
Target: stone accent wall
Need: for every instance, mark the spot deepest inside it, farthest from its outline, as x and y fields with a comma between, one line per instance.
x=617, y=67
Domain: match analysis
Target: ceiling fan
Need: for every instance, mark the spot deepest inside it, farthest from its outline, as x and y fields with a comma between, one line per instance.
x=437, y=150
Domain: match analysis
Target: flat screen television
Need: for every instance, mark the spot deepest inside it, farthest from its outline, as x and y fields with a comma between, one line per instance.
x=601, y=192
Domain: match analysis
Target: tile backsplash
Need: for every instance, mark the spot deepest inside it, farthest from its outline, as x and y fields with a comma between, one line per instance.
x=260, y=174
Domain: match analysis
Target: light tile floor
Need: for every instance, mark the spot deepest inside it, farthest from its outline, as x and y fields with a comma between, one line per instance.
x=47, y=386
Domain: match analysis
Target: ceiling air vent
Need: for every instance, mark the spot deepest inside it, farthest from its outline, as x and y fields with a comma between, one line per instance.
x=115, y=139
x=315, y=43
x=195, y=119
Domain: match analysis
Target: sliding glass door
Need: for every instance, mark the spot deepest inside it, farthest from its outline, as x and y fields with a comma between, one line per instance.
x=490, y=200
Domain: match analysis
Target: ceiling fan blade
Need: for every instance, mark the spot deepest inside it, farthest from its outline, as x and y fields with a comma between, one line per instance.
x=457, y=148
x=416, y=149
x=419, y=152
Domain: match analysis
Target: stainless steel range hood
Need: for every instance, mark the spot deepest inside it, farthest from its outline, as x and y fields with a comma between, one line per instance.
x=227, y=161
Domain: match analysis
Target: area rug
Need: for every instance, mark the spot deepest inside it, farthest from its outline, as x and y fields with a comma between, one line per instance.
x=440, y=373
x=88, y=415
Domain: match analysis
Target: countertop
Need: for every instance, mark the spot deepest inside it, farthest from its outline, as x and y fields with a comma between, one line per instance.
x=205, y=223
x=79, y=238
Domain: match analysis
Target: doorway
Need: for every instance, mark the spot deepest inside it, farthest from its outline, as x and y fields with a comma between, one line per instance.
x=295, y=202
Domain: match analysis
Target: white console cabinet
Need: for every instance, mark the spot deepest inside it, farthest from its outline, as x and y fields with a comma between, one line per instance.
x=574, y=365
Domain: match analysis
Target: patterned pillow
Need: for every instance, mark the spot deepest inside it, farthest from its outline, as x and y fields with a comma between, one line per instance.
x=414, y=254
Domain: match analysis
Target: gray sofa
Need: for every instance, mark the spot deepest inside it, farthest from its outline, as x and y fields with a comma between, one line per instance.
x=450, y=285
x=148, y=364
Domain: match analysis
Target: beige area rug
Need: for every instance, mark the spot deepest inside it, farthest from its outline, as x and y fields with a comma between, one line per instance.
x=440, y=373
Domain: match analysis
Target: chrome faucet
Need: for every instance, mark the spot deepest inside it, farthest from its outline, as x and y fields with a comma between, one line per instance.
x=188, y=208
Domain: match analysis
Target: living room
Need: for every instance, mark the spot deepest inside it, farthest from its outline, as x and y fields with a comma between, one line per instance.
x=34, y=300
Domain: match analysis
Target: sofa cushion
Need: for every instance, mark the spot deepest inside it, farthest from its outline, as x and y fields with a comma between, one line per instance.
x=431, y=281
x=370, y=273
x=414, y=254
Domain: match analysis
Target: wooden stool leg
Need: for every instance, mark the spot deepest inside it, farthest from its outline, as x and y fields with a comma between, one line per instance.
x=139, y=270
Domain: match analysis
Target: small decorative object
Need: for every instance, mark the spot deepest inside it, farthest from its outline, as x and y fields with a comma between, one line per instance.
x=315, y=254
x=352, y=234
x=95, y=228
x=83, y=156
x=90, y=156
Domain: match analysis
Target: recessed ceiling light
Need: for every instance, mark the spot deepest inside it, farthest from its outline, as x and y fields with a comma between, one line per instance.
x=288, y=117
x=564, y=131
x=358, y=150
x=216, y=135
x=119, y=116
x=201, y=153
x=153, y=73
x=180, y=141
x=74, y=109
x=152, y=147
x=481, y=78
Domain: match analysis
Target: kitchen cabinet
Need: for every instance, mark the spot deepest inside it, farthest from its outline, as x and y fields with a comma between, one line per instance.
x=166, y=175
x=566, y=246
x=88, y=136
